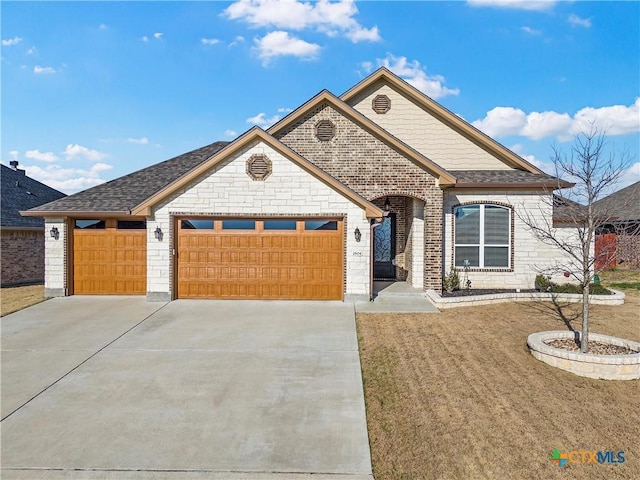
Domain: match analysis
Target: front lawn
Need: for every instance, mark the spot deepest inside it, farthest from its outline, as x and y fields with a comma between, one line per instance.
x=13, y=299
x=457, y=395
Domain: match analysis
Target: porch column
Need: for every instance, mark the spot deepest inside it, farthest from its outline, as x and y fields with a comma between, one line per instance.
x=416, y=237
x=433, y=239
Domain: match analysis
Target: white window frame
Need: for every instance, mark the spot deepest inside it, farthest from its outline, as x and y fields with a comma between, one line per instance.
x=481, y=246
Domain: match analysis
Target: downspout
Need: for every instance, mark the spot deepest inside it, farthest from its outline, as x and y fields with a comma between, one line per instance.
x=375, y=222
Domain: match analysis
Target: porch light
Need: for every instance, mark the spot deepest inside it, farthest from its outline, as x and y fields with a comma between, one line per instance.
x=357, y=234
x=54, y=233
x=387, y=204
x=157, y=233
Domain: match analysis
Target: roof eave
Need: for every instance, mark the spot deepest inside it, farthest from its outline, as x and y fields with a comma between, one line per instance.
x=74, y=213
x=519, y=185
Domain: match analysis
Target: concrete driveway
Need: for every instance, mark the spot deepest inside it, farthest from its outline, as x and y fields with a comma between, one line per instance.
x=116, y=387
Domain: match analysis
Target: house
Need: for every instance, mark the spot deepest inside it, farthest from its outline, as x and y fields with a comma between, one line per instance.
x=618, y=240
x=22, y=247
x=379, y=183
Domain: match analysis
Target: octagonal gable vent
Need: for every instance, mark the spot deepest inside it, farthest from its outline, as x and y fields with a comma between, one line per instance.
x=325, y=130
x=258, y=166
x=381, y=104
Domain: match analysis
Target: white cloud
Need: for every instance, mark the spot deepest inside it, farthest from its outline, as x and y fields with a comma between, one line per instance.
x=32, y=51
x=631, y=175
x=139, y=141
x=367, y=67
x=239, y=39
x=68, y=180
x=536, y=5
x=144, y=38
x=102, y=26
x=40, y=156
x=614, y=120
x=38, y=70
x=158, y=35
x=279, y=43
x=231, y=133
x=285, y=110
x=14, y=154
x=331, y=18
x=577, y=21
x=10, y=42
x=545, y=166
x=262, y=121
x=78, y=152
x=415, y=74
x=530, y=31
x=209, y=41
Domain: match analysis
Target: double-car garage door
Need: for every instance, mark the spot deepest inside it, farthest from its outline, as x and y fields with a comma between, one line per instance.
x=260, y=258
x=216, y=258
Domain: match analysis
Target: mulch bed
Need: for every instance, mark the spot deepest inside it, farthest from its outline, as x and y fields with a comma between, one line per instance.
x=483, y=291
x=595, y=348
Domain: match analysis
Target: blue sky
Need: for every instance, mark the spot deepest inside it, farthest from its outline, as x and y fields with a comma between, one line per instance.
x=95, y=90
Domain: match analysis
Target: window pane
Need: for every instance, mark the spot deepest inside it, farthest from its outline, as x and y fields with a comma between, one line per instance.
x=467, y=253
x=91, y=224
x=194, y=224
x=238, y=224
x=496, y=225
x=467, y=224
x=279, y=224
x=132, y=225
x=320, y=225
x=496, y=256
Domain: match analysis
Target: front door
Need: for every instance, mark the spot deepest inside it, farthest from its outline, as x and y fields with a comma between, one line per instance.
x=384, y=249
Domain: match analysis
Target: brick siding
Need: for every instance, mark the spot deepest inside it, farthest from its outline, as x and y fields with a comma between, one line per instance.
x=22, y=258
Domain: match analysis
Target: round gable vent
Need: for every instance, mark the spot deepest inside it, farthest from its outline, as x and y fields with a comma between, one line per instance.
x=325, y=130
x=258, y=166
x=381, y=104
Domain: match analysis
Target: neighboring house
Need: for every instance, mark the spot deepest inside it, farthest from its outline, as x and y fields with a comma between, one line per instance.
x=22, y=247
x=618, y=241
x=380, y=183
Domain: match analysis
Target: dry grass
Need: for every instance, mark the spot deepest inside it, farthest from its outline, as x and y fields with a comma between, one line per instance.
x=457, y=395
x=13, y=299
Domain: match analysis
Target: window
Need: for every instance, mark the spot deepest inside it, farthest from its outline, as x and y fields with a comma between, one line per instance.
x=238, y=224
x=194, y=224
x=320, y=225
x=132, y=225
x=90, y=224
x=482, y=236
x=279, y=224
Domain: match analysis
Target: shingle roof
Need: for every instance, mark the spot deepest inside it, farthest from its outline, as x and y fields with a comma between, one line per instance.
x=124, y=193
x=625, y=203
x=505, y=178
x=20, y=192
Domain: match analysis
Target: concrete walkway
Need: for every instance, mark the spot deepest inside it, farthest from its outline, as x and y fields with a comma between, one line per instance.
x=396, y=297
x=117, y=387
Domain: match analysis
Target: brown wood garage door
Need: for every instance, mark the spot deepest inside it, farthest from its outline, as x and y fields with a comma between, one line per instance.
x=260, y=259
x=109, y=257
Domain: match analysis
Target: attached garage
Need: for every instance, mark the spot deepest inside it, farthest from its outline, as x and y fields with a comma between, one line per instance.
x=246, y=258
x=109, y=257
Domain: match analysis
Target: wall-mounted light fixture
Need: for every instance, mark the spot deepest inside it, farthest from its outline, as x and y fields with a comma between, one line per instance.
x=157, y=233
x=357, y=234
x=387, y=205
x=54, y=232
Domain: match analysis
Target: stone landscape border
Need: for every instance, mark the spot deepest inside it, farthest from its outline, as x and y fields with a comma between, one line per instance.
x=472, y=300
x=607, y=367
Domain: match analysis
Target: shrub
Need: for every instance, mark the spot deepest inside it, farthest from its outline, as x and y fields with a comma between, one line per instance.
x=451, y=281
x=544, y=284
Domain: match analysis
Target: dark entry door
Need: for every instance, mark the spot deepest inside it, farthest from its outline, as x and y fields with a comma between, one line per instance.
x=384, y=248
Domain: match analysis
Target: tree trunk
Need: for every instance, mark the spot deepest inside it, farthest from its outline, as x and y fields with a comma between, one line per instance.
x=584, y=337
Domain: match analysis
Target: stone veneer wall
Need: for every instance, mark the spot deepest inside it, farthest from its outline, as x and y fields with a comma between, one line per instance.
x=374, y=170
x=529, y=254
x=55, y=274
x=22, y=258
x=287, y=191
x=424, y=132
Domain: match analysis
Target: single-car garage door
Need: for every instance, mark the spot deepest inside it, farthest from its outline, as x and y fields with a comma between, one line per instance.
x=260, y=258
x=109, y=257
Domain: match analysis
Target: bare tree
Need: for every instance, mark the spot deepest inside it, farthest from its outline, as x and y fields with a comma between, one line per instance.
x=595, y=171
